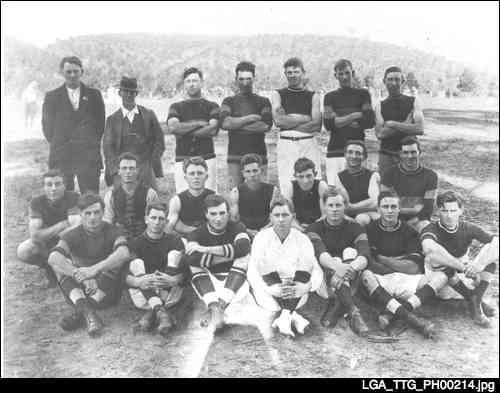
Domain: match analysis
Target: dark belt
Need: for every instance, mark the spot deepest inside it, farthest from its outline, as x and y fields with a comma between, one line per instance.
x=296, y=138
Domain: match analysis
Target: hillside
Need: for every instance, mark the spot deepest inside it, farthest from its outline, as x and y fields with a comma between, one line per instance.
x=158, y=60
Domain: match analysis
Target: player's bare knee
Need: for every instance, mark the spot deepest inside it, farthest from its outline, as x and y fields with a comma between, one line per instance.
x=137, y=267
x=369, y=280
x=27, y=250
x=242, y=262
x=437, y=280
x=362, y=219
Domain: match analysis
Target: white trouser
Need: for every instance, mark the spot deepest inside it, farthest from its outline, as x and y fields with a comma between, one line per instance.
x=334, y=165
x=267, y=302
x=288, y=151
x=181, y=184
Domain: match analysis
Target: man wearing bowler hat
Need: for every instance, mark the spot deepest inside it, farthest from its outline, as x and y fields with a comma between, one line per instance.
x=135, y=129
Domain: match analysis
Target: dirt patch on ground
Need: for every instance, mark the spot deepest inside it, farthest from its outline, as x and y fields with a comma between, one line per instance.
x=34, y=346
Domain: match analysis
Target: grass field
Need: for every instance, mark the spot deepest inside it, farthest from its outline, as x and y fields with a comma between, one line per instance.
x=466, y=152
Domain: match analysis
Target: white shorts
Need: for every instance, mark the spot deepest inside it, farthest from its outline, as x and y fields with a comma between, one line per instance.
x=289, y=151
x=399, y=285
x=181, y=184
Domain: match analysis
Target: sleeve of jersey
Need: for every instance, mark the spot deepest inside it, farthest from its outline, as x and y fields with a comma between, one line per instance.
x=429, y=233
x=478, y=233
x=177, y=243
x=429, y=197
x=225, y=109
x=318, y=245
x=34, y=209
x=266, y=112
x=174, y=112
x=361, y=243
x=330, y=122
x=214, y=112
x=241, y=245
x=414, y=248
x=368, y=119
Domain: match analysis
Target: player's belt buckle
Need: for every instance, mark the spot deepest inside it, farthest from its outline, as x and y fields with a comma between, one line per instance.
x=296, y=138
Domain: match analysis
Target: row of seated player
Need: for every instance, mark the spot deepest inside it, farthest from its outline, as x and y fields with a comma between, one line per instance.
x=89, y=257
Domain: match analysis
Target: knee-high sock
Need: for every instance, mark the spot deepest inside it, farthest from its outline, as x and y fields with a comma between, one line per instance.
x=234, y=280
x=345, y=296
x=457, y=284
x=204, y=287
x=387, y=302
x=420, y=297
x=485, y=278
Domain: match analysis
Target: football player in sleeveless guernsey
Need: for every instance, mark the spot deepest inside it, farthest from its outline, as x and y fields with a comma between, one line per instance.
x=251, y=201
x=297, y=112
x=361, y=184
x=446, y=244
x=218, y=253
x=186, y=208
x=88, y=263
x=305, y=193
x=157, y=274
x=51, y=215
x=415, y=184
x=194, y=122
x=125, y=203
x=396, y=116
x=347, y=114
x=394, y=277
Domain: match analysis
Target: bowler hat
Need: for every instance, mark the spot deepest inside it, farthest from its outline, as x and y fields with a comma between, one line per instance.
x=129, y=84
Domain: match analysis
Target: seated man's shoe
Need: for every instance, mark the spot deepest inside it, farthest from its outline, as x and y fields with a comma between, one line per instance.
x=147, y=321
x=357, y=323
x=284, y=323
x=72, y=321
x=384, y=320
x=475, y=307
x=165, y=321
x=334, y=311
x=426, y=328
x=93, y=322
x=299, y=322
x=50, y=276
x=488, y=309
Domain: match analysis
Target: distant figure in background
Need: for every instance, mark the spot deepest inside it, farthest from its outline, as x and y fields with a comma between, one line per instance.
x=194, y=122
x=73, y=119
x=30, y=97
x=134, y=129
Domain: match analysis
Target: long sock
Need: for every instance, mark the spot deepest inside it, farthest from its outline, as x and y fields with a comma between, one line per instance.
x=486, y=276
x=420, y=297
x=345, y=297
x=82, y=305
x=234, y=281
x=381, y=297
x=462, y=289
x=205, y=288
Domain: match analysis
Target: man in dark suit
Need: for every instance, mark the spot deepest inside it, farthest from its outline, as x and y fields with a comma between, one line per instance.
x=73, y=124
x=134, y=129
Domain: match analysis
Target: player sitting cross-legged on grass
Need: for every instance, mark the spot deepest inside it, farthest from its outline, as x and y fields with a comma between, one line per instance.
x=218, y=253
x=341, y=246
x=51, y=216
x=87, y=261
x=251, y=200
x=283, y=269
x=446, y=244
x=394, y=278
x=157, y=274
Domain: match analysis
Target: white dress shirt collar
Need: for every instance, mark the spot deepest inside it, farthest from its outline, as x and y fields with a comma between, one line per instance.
x=130, y=114
x=74, y=96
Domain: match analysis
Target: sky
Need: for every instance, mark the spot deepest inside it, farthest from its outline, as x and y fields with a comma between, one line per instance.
x=463, y=31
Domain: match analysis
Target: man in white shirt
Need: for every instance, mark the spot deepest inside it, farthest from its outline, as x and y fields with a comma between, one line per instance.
x=283, y=269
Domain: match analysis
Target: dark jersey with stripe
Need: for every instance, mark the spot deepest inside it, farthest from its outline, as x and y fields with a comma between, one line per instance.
x=192, y=212
x=234, y=232
x=334, y=239
x=188, y=145
x=400, y=241
x=356, y=184
x=396, y=109
x=296, y=101
x=154, y=252
x=129, y=210
x=458, y=241
x=53, y=212
x=412, y=187
x=243, y=142
x=254, y=205
x=306, y=203
x=88, y=248
x=345, y=101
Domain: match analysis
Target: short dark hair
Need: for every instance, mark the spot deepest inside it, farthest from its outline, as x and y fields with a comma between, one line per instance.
x=358, y=143
x=303, y=164
x=386, y=194
x=333, y=191
x=245, y=66
x=213, y=200
x=157, y=206
x=282, y=201
x=127, y=156
x=410, y=140
x=341, y=64
x=393, y=69
x=88, y=199
x=56, y=172
x=294, y=62
x=448, y=196
x=192, y=70
x=197, y=160
x=72, y=60
x=250, y=158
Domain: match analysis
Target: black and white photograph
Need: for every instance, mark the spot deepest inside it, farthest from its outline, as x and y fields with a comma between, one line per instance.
x=250, y=190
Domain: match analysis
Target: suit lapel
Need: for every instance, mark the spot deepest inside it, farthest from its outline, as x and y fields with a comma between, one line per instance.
x=145, y=120
x=84, y=98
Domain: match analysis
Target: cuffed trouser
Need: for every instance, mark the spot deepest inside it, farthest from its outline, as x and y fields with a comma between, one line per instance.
x=181, y=184
x=334, y=165
x=289, y=151
x=88, y=179
x=488, y=253
x=148, y=299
